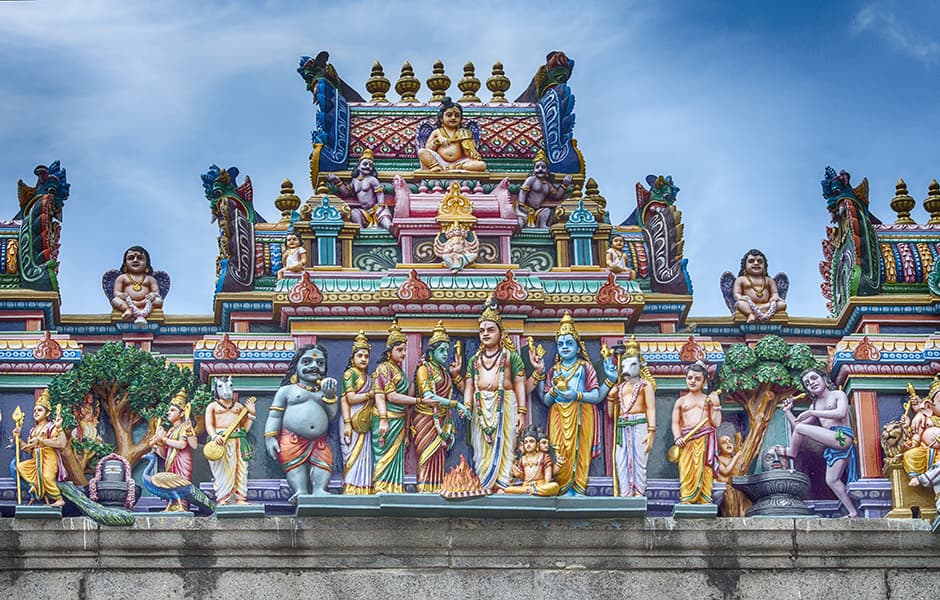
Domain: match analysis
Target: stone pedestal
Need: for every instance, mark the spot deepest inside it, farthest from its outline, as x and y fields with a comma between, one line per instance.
x=239, y=511
x=694, y=511
x=776, y=493
x=37, y=511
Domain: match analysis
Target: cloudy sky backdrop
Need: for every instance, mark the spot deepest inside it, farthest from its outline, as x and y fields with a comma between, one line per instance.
x=743, y=103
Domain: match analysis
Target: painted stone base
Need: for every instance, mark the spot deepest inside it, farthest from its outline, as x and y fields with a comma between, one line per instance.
x=239, y=511
x=38, y=511
x=336, y=505
x=694, y=511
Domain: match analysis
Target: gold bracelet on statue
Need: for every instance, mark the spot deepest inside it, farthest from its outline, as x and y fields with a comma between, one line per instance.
x=522, y=409
x=536, y=376
x=347, y=421
x=653, y=429
x=609, y=383
x=271, y=433
x=579, y=397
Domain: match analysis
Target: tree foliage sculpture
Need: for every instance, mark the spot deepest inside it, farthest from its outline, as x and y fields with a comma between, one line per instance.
x=758, y=379
x=130, y=386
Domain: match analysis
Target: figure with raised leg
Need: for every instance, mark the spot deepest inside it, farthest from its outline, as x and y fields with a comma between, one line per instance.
x=176, y=444
x=431, y=425
x=826, y=422
x=450, y=147
x=695, y=418
x=364, y=186
x=389, y=437
x=300, y=414
x=571, y=392
x=44, y=470
x=495, y=396
x=136, y=289
x=227, y=448
x=632, y=409
x=534, y=467
x=539, y=194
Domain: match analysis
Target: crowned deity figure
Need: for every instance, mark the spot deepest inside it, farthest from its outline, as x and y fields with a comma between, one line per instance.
x=617, y=257
x=695, y=419
x=356, y=404
x=365, y=187
x=495, y=396
x=227, y=422
x=450, y=147
x=921, y=459
x=176, y=444
x=45, y=441
x=295, y=256
x=827, y=423
x=389, y=436
x=571, y=392
x=538, y=188
x=632, y=409
x=431, y=424
x=534, y=467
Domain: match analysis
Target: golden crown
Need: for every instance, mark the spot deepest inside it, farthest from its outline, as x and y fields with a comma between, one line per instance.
x=361, y=342
x=934, y=386
x=367, y=153
x=438, y=334
x=179, y=400
x=567, y=327
x=633, y=347
x=491, y=311
x=540, y=156
x=395, y=336
x=43, y=400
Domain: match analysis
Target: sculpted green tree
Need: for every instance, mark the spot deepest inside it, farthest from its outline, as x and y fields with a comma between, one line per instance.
x=758, y=379
x=131, y=387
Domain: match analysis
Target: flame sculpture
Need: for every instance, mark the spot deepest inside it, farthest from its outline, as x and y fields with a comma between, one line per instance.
x=461, y=482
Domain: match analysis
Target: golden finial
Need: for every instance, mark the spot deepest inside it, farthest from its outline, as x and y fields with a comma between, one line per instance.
x=378, y=84
x=361, y=342
x=498, y=84
x=490, y=311
x=43, y=400
x=468, y=84
x=407, y=85
x=287, y=201
x=438, y=334
x=932, y=203
x=902, y=203
x=395, y=336
x=591, y=192
x=438, y=82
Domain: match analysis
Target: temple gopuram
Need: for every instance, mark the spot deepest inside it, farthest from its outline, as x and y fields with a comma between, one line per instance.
x=450, y=332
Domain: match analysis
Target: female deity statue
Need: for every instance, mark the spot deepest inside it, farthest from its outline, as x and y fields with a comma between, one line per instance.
x=388, y=423
x=432, y=429
x=495, y=395
x=571, y=392
x=176, y=444
x=356, y=405
x=295, y=256
x=364, y=186
x=134, y=290
x=450, y=146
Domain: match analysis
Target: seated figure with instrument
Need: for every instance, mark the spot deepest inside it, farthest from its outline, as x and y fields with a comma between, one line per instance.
x=695, y=419
x=227, y=449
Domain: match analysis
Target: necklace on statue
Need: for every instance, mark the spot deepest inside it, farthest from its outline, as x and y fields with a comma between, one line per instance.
x=138, y=285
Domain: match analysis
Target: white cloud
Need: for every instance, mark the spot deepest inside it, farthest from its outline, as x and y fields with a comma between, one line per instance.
x=878, y=21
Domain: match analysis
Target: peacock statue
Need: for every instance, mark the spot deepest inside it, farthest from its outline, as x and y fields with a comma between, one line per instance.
x=172, y=487
x=104, y=515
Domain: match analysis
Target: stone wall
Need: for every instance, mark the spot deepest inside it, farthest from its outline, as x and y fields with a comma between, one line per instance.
x=349, y=557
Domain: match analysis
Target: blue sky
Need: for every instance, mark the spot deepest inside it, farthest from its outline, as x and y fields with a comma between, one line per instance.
x=743, y=103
